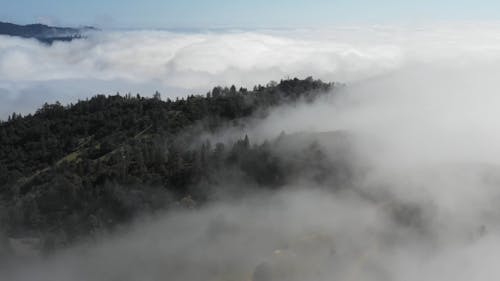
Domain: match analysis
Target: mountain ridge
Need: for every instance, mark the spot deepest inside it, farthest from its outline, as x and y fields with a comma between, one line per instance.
x=44, y=33
x=96, y=164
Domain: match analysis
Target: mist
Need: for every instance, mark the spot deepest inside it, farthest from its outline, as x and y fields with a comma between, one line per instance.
x=420, y=109
x=181, y=63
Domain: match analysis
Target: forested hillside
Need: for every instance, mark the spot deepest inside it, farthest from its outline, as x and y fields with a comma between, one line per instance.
x=43, y=33
x=69, y=171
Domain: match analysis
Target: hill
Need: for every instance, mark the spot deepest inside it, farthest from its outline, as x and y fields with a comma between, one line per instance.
x=43, y=33
x=70, y=171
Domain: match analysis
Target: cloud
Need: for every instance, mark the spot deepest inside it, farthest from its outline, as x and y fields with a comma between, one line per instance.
x=426, y=131
x=421, y=110
x=181, y=59
x=195, y=62
x=229, y=240
x=188, y=62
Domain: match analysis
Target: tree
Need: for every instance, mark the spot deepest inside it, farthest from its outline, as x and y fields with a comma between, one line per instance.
x=65, y=167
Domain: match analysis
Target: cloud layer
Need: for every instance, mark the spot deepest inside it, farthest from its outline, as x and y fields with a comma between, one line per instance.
x=181, y=63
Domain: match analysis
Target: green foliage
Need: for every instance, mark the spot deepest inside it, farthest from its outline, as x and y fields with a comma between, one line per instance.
x=77, y=169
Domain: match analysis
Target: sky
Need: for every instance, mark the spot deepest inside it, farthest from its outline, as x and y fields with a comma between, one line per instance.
x=242, y=13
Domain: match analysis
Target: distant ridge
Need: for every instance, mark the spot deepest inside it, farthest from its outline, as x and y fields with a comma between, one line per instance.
x=44, y=33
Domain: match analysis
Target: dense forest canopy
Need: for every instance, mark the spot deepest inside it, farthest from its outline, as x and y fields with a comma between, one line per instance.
x=70, y=171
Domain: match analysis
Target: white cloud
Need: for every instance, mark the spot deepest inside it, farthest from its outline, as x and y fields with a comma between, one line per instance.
x=198, y=61
x=187, y=62
x=168, y=57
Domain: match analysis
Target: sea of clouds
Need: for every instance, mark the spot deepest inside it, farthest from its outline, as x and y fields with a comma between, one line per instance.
x=178, y=63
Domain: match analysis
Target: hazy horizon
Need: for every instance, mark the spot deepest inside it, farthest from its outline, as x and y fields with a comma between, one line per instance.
x=243, y=14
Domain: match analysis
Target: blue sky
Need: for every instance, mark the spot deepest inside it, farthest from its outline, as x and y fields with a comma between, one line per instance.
x=242, y=13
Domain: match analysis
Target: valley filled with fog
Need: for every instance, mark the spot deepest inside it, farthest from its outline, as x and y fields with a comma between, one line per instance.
x=393, y=172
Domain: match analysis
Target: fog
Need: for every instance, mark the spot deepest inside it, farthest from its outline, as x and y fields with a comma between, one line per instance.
x=178, y=63
x=421, y=111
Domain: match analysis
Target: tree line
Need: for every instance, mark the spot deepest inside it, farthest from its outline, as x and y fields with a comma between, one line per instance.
x=70, y=171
